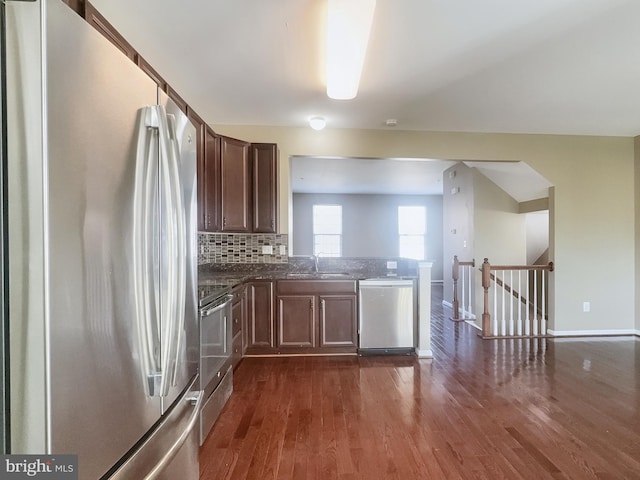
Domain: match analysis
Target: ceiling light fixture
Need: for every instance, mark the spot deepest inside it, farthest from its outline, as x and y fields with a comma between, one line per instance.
x=317, y=123
x=348, y=28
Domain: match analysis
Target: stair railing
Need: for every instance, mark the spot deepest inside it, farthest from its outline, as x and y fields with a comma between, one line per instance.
x=517, y=305
x=462, y=273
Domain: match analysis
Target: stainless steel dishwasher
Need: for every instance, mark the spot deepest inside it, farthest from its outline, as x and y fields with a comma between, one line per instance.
x=386, y=315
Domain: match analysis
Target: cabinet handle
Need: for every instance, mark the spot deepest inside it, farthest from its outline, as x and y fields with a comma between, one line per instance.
x=311, y=305
x=224, y=221
x=235, y=320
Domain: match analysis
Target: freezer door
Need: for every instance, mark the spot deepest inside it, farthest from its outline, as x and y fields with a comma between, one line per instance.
x=170, y=451
x=78, y=385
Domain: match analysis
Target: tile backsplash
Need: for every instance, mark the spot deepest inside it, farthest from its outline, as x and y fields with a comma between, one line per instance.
x=242, y=248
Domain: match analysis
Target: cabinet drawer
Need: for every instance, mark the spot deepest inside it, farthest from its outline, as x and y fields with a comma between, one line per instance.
x=315, y=287
x=236, y=320
x=238, y=293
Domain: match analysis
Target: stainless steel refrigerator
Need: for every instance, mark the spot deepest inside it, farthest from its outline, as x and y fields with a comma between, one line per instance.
x=101, y=264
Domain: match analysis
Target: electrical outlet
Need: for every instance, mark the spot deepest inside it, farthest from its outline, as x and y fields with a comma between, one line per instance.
x=267, y=250
x=392, y=265
x=283, y=250
x=586, y=307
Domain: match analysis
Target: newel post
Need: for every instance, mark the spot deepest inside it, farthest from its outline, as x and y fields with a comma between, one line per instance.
x=486, y=283
x=456, y=274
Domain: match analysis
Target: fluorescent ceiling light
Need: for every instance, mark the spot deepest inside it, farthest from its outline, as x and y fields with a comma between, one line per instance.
x=317, y=123
x=348, y=28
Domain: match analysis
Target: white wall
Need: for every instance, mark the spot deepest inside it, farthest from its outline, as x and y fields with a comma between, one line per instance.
x=592, y=226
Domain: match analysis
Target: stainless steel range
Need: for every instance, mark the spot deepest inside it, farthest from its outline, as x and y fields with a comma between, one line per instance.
x=216, y=372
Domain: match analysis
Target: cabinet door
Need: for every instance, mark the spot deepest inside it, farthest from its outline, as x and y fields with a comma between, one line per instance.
x=296, y=321
x=338, y=321
x=97, y=21
x=211, y=182
x=76, y=5
x=199, y=124
x=237, y=312
x=264, y=158
x=155, y=76
x=235, y=185
x=260, y=314
x=173, y=95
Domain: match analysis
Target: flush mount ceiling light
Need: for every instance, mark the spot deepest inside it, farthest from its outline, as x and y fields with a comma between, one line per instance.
x=348, y=27
x=317, y=123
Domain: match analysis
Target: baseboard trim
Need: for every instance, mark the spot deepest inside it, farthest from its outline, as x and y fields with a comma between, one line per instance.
x=424, y=353
x=593, y=333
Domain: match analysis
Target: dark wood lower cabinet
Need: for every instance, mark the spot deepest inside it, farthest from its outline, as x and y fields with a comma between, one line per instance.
x=296, y=321
x=316, y=316
x=338, y=321
x=238, y=323
x=260, y=317
x=301, y=316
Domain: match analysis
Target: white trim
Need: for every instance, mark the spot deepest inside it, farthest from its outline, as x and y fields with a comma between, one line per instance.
x=424, y=353
x=591, y=333
x=437, y=281
x=473, y=324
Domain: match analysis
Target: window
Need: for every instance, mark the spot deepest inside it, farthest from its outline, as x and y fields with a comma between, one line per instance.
x=412, y=228
x=327, y=230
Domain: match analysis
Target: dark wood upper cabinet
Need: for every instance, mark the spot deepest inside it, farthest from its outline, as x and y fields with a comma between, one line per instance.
x=76, y=5
x=93, y=17
x=149, y=70
x=235, y=186
x=210, y=183
x=264, y=159
x=173, y=95
x=199, y=125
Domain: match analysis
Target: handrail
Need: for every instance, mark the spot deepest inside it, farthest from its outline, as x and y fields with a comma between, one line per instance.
x=513, y=324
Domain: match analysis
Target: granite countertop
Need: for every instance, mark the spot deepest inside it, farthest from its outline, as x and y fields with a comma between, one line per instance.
x=216, y=280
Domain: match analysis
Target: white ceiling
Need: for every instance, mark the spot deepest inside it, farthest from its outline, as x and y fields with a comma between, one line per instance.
x=406, y=176
x=367, y=175
x=532, y=66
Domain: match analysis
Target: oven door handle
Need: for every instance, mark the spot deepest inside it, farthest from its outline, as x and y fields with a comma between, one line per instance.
x=217, y=307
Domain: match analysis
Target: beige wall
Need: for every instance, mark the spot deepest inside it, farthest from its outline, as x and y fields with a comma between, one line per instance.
x=458, y=229
x=593, y=227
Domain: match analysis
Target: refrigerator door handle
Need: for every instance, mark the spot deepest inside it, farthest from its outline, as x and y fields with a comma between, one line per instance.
x=176, y=269
x=145, y=300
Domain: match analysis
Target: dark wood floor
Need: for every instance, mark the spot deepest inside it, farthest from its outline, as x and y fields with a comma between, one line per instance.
x=482, y=409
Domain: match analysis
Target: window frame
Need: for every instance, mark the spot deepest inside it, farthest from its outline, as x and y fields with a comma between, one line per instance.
x=328, y=235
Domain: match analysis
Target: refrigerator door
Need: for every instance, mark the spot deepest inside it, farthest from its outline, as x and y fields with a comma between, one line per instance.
x=78, y=382
x=180, y=290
